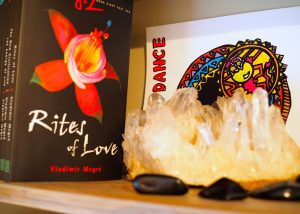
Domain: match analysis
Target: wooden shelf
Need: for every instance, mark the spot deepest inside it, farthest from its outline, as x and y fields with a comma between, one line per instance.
x=119, y=196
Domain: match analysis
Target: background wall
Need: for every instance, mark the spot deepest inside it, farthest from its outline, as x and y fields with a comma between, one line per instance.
x=147, y=13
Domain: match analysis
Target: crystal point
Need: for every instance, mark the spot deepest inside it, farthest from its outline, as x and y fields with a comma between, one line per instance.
x=241, y=138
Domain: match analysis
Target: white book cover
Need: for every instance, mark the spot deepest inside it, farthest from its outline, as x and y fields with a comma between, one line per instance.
x=220, y=55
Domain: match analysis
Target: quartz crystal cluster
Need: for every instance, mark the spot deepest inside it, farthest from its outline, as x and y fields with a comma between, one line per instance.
x=241, y=138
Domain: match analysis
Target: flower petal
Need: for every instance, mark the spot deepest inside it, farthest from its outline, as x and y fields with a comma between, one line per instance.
x=62, y=27
x=81, y=77
x=110, y=72
x=89, y=101
x=52, y=76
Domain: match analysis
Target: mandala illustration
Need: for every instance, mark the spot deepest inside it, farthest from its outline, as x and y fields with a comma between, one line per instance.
x=244, y=67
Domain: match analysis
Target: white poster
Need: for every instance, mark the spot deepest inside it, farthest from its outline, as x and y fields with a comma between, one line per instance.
x=221, y=55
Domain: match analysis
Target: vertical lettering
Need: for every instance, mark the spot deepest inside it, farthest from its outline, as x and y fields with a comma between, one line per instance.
x=158, y=87
x=159, y=63
x=159, y=56
x=158, y=43
x=160, y=77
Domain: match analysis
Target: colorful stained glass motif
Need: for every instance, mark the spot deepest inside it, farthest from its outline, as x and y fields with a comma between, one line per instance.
x=244, y=67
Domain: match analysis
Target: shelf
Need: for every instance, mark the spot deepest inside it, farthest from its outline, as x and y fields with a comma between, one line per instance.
x=119, y=196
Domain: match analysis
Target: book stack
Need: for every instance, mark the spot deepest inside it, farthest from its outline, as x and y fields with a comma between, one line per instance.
x=64, y=70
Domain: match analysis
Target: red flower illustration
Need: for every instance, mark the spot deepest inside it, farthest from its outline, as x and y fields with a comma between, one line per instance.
x=84, y=64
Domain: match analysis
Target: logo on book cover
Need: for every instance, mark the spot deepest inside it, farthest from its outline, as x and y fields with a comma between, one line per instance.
x=244, y=67
x=84, y=64
x=87, y=5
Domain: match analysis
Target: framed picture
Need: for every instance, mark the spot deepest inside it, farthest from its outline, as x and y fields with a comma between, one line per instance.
x=220, y=55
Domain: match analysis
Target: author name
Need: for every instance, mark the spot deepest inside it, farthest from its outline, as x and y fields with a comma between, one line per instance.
x=75, y=169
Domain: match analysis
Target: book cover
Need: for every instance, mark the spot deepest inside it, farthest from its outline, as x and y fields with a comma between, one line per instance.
x=64, y=87
x=219, y=56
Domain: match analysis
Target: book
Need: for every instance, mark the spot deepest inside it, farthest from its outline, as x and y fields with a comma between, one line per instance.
x=63, y=89
x=2, y=30
x=221, y=55
x=4, y=27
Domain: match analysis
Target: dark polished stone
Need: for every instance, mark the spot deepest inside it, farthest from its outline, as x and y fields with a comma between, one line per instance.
x=224, y=189
x=196, y=186
x=287, y=191
x=159, y=184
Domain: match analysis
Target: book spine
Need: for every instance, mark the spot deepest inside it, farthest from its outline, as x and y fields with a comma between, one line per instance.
x=3, y=26
x=11, y=38
x=2, y=18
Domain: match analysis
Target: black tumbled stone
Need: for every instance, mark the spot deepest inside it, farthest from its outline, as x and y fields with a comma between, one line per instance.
x=224, y=189
x=287, y=191
x=159, y=184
